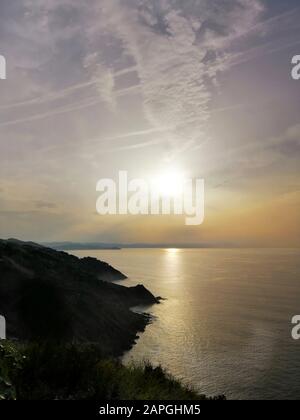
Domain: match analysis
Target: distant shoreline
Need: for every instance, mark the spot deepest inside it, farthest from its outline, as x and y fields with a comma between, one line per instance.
x=100, y=246
x=57, y=246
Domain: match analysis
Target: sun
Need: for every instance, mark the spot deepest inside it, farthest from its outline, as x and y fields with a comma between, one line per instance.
x=170, y=183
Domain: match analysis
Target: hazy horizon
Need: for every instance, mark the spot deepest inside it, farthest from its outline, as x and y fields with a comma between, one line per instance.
x=89, y=245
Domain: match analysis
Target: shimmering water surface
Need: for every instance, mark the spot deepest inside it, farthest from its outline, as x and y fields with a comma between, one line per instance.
x=225, y=327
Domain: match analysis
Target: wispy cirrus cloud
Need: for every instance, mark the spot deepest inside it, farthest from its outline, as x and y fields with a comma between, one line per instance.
x=179, y=47
x=176, y=47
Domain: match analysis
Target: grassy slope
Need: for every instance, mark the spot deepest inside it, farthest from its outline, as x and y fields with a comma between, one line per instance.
x=44, y=372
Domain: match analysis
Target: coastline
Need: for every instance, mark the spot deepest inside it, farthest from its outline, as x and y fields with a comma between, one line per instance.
x=62, y=297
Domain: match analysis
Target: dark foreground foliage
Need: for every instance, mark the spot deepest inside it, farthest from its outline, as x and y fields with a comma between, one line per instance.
x=71, y=372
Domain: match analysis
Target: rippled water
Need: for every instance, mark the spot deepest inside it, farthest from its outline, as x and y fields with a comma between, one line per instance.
x=225, y=327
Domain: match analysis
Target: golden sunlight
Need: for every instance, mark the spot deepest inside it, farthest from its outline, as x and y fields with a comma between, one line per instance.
x=170, y=183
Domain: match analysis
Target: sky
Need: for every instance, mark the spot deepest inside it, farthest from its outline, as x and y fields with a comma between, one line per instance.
x=146, y=86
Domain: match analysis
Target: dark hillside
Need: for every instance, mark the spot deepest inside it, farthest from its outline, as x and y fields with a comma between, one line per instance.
x=46, y=294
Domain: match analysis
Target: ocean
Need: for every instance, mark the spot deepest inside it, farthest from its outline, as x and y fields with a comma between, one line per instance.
x=225, y=326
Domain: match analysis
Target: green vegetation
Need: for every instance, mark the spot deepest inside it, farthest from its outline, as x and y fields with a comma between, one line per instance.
x=78, y=372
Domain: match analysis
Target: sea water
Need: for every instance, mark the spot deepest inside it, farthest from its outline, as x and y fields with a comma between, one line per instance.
x=225, y=326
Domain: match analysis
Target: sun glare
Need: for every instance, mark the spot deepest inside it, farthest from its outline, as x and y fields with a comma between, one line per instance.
x=170, y=183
